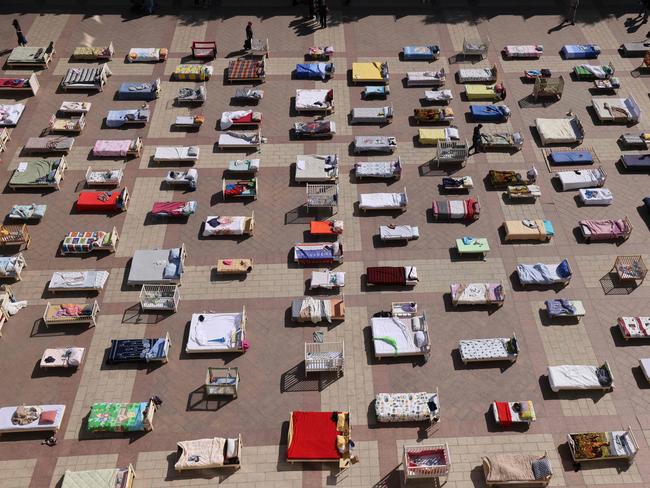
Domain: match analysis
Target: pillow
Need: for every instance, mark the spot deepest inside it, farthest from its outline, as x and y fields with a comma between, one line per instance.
x=341, y=422
x=170, y=271
x=47, y=417
x=174, y=253
x=341, y=444
x=512, y=347
x=231, y=448
x=416, y=324
x=563, y=270
x=336, y=248
x=192, y=151
x=542, y=469
x=420, y=339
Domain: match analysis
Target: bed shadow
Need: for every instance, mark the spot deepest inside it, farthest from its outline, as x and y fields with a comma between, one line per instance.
x=459, y=365
x=199, y=401
x=135, y=315
x=449, y=306
x=548, y=394
x=38, y=372
x=641, y=381
x=619, y=340
x=430, y=168
x=378, y=243
x=295, y=380
x=547, y=321
x=529, y=102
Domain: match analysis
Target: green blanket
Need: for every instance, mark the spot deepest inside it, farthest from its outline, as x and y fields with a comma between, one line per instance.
x=35, y=172
x=117, y=417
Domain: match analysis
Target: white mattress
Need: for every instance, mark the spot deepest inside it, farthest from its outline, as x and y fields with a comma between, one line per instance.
x=398, y=329
x=144, y=54
x=475, y=73
x=313, y=167
x=583, y=178
x=214, y=326
x=175, y=153
x=399, y=232
x=237, y=139
x=312, y=99
x=327, y=279
x=573, y=377
x=596, y=196
x=371, y=114
x=10, y=114
x=375, y=169
x=484, y=349
x=620, y=110
x=78, y=279
x=425, y=78
x=233, y=226
x=439, y=95
x=7, y=426
x=555, y=131
x=381, y=200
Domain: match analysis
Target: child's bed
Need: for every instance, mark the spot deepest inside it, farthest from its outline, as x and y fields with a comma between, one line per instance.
x=31, y=56
x=10, y=114
x=407, y=407
x=426, y=461
x=246, y=70
x=187, y=178
x=376, y=91
x=491, y=349
x=139, y=90
x=228, y=226
x=475, y=47
x=310, y=253
x=15, y=235
x=370, y=72
x=239, y=140
x=314, y=129
x=469, y=209
x=106, y=177
x=528, y=230
x=27, y=212
x=42, y=173
x=62, y=357
x=240, y=117
x=217, y=332
x=403, y=336
x=517, y=469
x=418, y=53
x=493, y=92
x=477, y=75
x=12, y=266
x=121, y=417
x=327, y=279
x=215, y=452
x=548, y=88
x=139, y=350
x=244, y=165
x=489, y=113
x=605, y=229
x=382, y=144
x=544, y=274
x=524, y=192
x=146, y=54
x=589, y=72
x=87, y=242
x=560, y=131
x=74, y=124
x=157, y=266
x=174, y=209
x=503, y=178
x=93, y=53
x=372, y=115
x=99, y=478
x=580, y=377
x=192, y=95
x=31, y=418
x=634, y=327
x=315, y=310
x=68, y=107
x=86, y=280
x=320, y=52
x=103, y=201
x=314, y=71
x=86, y=78
x=326, y=227
x=433, y=115
x=617, y=110
x=635, y=162
x=240, y=188
x=508, y=413
x=315, y=100
x=71, y=313
x=450, y=183
x=438, y=96
x=314, y=168
x=391, y=276
x=176, y=153
x=603, y=446
x=250, y=95
x=581, y=178
x=426, y=78
x=564, y=308
x=580, y=51
x=20, y=84
x=477, y=294
x=52, y=144
x=259, y=48
x=528, y=51
x=501, y=140
x=431, y=137
x=317, y=437
x=204, y=49
x=119, y=148
x=378, y=169
x=118, y=118
x=571, y=157
x=192, y=72
x=383, y=201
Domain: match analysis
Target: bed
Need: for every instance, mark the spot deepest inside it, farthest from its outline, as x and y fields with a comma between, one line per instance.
x=68, y=107
x=589, y=72
x=322, y=195
x=570, y=157
x=370, y=72
x=432, y=137
x=228, y=226
x=526, y=51
x=327, y=279
x=4, y=138
x=489, y=113
x=121, y=417
x=617, y=110
x=146, y=54
x=635, y=162
x=426, y=78
x=71, y=314
x=240, y=117
x=87, y=242
x=314, y=71
x=383, y=201
x=460, y=183
x=204, y=49
x=517, y=469
x=259, y=48
x=507, y=413
x=160, y=298
x=560, y=131
x=372, y=115
x=391, y=276
x=192, y=95
x=145, y=91
x=477, y=75
x=580, y=51
x=103, y=201
x=314, y=129
x=528, y=230
x=475, y=47
x=438, y=96
x=99, y=478
x=477, y=294
x=320, y=52
x=72, y=124
x=324, y=357
x=314, y=168
x=139, y=350
x=27, y=212
x=580, y=377
x=433, y=115
x=400, y=336
x=491, y=349
x=319, y=437
x=561, y=307
x=52, y=144
x=246, y=70
x=426, y=461
x=10, y=114
x=407, y=407
x=119, y=118
x=544, y=274
x=452, y=152
x=86, y=78
x=192, y=72
x=240, y=188
x=157, y=266
x=421, y=53
x=326, y=227
x=548, y=88
x=118, y=148
x=634, y=327
x=33, y=418
x=492, y=92
x=239, y=140
x=376, y=91
x=86, y=280
x=469, y=209
x=176, y=153
x=603, y=446
x=174, y=209
x=378, y=169
x=217, y=332
x=501, y=140
x=20, y=84
x=605, y=229
x=519, y=192
x=244, y=165
x=250, y=95
x=62, y=357
x=12, y=266
x=382, y=144
x=93, y=53
x=215, y=452
x=581, y=178
x=14, y=235
x=31, y=56
x=189, y=178
x=315, y=101
x=315, y=310
x=310, y=253
x=42, y=173
x=103, y=177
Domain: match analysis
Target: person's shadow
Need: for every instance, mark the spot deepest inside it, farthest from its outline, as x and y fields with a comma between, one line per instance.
x=633, y=24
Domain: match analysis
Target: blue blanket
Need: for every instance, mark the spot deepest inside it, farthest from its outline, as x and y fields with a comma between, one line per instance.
x=571, y=157
x=536, y=274
x=580, y=51
x=313, y=71
x=421, y=52
x=315, y=254
x=559, y=308
x=138, y=91
x=489, y=113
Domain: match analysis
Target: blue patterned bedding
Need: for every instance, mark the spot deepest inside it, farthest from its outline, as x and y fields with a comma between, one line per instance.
x=314, y=254
x=580, y=51
x=489, y=113
x=421, y=52
x=139, y=91
x=314, y=71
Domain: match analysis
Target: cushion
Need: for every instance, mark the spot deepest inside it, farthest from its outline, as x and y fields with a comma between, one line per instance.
x=170, y=271
x=192, y=151
x=512, y=347
x=341, y=444
x=563, y=270
x=175, y=253
x=416, y=324
x=47, y=417
x=341, y=422
x=420, y=338
x=542, y=469
x=231, y=448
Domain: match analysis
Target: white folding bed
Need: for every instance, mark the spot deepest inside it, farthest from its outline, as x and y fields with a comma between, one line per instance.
x=86, y=280
x=544, y=274
x=36, y=418
x=403, y=336
x=617, y=110
x=407, y=407
x=398, y=232
x=596, y=196
x=581, y=178
x=176, y=153
x=378, y=169
x=560, y=131
x=217, y=332
x=426, y=78
x=580, y=377
x=383, y=201
x=316, y=167
x=314, y=101
x=490, y=349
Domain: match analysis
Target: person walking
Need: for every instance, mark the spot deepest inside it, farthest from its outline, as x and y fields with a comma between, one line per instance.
x=476, y=139
x=22, y=40
x=573, y=10
x=249, y=36
x=312, y=9
x=322, y=13
x=645, y=9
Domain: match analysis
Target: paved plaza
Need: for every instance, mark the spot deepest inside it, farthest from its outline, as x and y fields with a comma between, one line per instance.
x=272, y=373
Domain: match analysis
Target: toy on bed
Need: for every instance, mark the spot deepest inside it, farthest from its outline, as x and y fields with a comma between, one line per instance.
x=103, y=201
x=62, y=357
x=327, y=279
x=92, y=53
x=469, y=209
x=489, y=113
x=204, y=49
x=433, y=115
x=320, y=52
x=580, y=51
x=240, y=188
x=174, y=209
x=146, y=55
x=605, y=229
x=477, y=294
x=544, y=274
x=314, y=71
x=603, y=446
x=416, y=53
x=528, y=51
x=33, y=418
x=314, y=129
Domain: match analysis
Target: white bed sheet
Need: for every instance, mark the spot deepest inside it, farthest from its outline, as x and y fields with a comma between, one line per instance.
x=7, y=426
x=214, y=326
x=381, y=200
x=583, y=178
x=10, y=114
x=596, y=196
x=78, y=279
x=398, y=329
x=237, y=139
x=313, y=167
x=573, y=377
x=398, y=232
x=175, y=153
x=312, y=99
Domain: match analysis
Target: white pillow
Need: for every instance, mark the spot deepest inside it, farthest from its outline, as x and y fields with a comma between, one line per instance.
x=416, y=324
x=420, y=339
x=231, y=448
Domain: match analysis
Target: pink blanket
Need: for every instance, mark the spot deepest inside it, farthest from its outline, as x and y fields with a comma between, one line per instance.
x=105, y=147
x=606, y=228
x=168, y=208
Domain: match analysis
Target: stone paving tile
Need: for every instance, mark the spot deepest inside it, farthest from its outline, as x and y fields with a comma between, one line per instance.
x=47, y=28
x=333, y=36
x=341, y=105
x=599, y=33
x=398, y=67
x=460, y=31
x=118, y=67
x=521, y=209
x=16, y=474
x=82, y=463
x=188, y=28
x=361, y=475
x=596, y=474
x=166, y=112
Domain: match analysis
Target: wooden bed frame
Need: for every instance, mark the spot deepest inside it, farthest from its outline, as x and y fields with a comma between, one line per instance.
x=112, y=247
x=58, y=178
x=512, y=358
x=82, y=319
x=337, y=304
x=629, y=458
x=97, y=290
x=49, y=51
x=57, y=124
x=254, y=179
x=4, y=138
x=540, y=483
x=127, y=483
x=343, y=461
x=90, y=184
x=240, y=445
x=18, y=234
x=33, y=87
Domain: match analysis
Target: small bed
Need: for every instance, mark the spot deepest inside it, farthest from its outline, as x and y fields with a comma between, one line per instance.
x=523, y=51
x=314, y=129
x=103, y=177
x=86, y=280
x=370, y=72
x=571, y=157
x=146, y=54
x=86, y=78
x=489, y=113
x=244, y=165
x=139, y=90
x=549, y=87
x=517, y=469
x=174, y=209
x=4, y=138
x=71, y=314
x=322, y=437
x=433, y=115
x=10, y=114
x=491, y=349
x=99, y=478
x=560, y=131
x=42, y=173
x=14, y=235
x=12, y=266
x=215, y=452
x=426, y=461
x=477, y=294
x=477, y=75
x=452, y=152
x=259, y=48
x=635, y=162
x=580, y=377
x=603, y=446
x=243, y=140
x=31, y=56
x=376, y=91
x=492, y=141
x=493, y=92
x=192, y=95
x=617, y=110
x=118, y=148
x=391, y=276
x=426, y=78
x=383, y=201
x=246, y=70
x=87, y=242
x=315, y=168
x=177, y=153
x=139, y=350
x=93, y=53
x=460, y=183
x=324, y=357
x=249, y=95
x=228, y=226
x=217, y=332
x=580, y=51
x=315, y=101
x=240, y=118
x=421, y=53
x=469, y=209
x=475, y=47
x=68, y=107
x=314, y=71
x=400, y=336
x=315, y=310
x=432, y=137
x=378, y=169
x=407, y=407
x=20, y=84
x=204, y=49
x=590, y=72
x=634, y=49
x=581, y=178
x=520, y=192
x=438, y=96
x=320, y=52
x=192, y=72
x=605, y=229
x=119, y=118
x=47, y=145
x=98, y=201
x=528, y=230
x=634, y=327
x=62, y=357
x=327, y=279
x=326, y=227
x=27, y=212
x=121, y=417
x=240, y=188
x=31, y=418
x=157, y=266
x=558, y=308
x=310, y=253
x=381, y=144
x=507, y=413
x=544, y=274
x=189, y=179
x=371, y=115
x=71, y=124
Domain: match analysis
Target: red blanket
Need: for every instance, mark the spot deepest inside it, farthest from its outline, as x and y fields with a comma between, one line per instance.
x=91, y=201
x=504, y=413
x=313, y=436
x=386, y=275
x=168, y=208
x=245, y=119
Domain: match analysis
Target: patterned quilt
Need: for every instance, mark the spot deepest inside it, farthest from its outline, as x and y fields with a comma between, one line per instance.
x=117, y=417
x=79, y=242
x=405, y=407
x=245, y=69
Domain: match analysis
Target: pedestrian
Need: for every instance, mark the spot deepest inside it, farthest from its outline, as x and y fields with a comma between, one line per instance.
x=310, y=4
x=573, y=10
x=645, y=9
x=22, y=40
x=249, y=35
x=476, y=139
x=322, y=13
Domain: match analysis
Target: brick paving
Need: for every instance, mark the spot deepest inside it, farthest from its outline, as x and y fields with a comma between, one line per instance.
x=272, y=371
